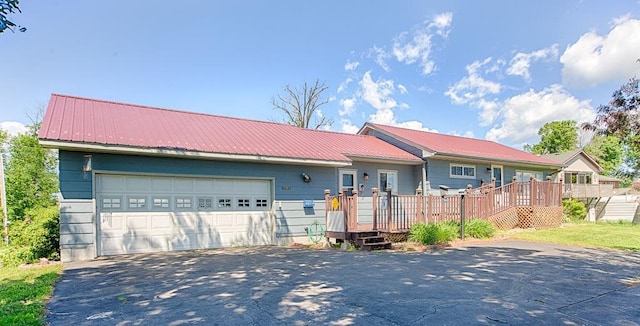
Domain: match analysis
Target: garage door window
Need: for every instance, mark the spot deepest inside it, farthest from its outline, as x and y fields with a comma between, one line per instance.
x=183, y=203
x=261, y=203
x=205, y=204
x=161, y=203
x=111, y=203
x=137, y=202
x=224, y=202
x=244, y=203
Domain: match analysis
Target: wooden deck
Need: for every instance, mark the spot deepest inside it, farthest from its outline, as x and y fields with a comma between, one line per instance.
x=517, y=204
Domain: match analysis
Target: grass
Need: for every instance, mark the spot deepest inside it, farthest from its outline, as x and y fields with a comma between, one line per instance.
x=602, y=235
x=23, y=293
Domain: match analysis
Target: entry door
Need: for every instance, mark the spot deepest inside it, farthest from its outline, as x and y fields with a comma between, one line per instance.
x=497, y=173
x=347, y=179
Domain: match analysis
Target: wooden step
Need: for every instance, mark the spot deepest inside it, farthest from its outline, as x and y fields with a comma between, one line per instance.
x=377, y=246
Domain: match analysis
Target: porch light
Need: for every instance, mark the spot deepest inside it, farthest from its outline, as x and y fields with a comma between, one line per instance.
x=305, y=177
x=365, y=176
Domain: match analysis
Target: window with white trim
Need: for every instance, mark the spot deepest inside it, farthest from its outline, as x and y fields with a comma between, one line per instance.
x=160, y=202
x=388, y=179
x=110, y=203
x=224, y=202
x=462, y=171
x=183, y=202
x=244, y=203
x=262, y=203
x=137, y=202
x=205, y=203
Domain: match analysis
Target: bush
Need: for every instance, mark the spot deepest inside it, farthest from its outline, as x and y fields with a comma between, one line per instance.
x=430, y=234
x=38, y=236
x=573, y=209
x=480, y=229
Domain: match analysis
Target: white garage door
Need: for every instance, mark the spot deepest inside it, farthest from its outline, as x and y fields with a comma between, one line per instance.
x=152, y=213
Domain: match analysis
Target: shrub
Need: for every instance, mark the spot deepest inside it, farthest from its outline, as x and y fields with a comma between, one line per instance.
x=38, y=236
x=430, y=234
x=573, y=209
x=480, y=229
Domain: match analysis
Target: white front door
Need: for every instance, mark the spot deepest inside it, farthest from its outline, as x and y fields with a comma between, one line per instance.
x=347, y=179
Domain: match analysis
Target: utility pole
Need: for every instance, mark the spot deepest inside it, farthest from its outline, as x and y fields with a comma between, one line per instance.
x=3, y=202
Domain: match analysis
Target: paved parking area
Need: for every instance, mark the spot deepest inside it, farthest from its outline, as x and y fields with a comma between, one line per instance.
x=495, y=283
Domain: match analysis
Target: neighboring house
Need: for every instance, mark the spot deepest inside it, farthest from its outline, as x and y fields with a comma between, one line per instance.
x=456, y=162
x=140, y=179
x=615, y=182
x=581, y=175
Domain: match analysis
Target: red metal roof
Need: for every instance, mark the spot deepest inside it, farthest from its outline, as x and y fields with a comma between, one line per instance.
x=75, y=120
x=441, y=144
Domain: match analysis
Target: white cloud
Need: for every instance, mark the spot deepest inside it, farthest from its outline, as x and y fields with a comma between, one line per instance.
x=416, y=47
x=378, y=93
x=442, y=23
x=595, y=59
x=348, y=106
x=473, y=87
x=344, y=85
x=522, y=115
x=348, y=127
x=351, y=65
x=403, y=90
x=13, y=127
x=521, y=62
x=380, y=57
x=468, y=133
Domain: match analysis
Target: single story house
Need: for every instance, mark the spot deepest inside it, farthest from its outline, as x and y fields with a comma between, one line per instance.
x=456, y=162
x=137, y=179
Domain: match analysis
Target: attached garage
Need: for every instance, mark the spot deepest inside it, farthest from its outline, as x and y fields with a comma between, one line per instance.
x=146, y=213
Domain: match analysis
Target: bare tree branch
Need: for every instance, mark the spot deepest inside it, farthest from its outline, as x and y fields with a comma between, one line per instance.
x=300, y=106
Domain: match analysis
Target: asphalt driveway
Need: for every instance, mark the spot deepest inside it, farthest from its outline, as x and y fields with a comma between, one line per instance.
x=498, y=283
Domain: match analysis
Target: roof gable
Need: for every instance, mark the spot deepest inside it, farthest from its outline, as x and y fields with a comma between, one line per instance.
x=571, y=156
x=449, y=145
x=82, y=121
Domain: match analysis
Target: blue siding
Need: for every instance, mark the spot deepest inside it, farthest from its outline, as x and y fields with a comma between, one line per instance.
x=438, y=173
x=408, y=180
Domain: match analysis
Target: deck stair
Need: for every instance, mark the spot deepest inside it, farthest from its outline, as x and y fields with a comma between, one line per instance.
x=370, y=240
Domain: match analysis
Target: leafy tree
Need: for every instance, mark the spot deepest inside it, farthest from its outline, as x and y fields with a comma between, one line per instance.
x=300, y=106
x=31, y=178
x=555, y=137
x=621, y=118
x=8, y=7
x=607, y=151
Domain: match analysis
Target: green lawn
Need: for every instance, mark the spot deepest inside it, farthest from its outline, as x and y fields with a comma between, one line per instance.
x=23, y=293
x=604, y=235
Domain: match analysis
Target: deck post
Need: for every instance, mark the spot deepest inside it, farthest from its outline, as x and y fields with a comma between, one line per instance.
x=354, y=210
x=374, y=193
x=389, y=209
x=561, y=190
x=344, y=201
x=532, y=189
x=547, y=193
x=491, y=201
x=419, y=208
x=470, y=208
x=327, y=206
x=514, y=192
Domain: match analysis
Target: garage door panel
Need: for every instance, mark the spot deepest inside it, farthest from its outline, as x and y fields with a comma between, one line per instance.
x=125, y=229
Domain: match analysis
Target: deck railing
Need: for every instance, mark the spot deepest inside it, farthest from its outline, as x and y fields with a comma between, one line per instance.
x=399, y=212
x=573, y=190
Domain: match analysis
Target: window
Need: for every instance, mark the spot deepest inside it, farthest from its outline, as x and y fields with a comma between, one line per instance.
x=347, y=180
x=161, y=202
x=244, y=203
x=137, y=202
x=388, y=179
x=261, y=203
x=183, y=203
x=462, y=171
x=525, y=176
x=577, y=177
x=205, y=203
x=111, y=203
x=224, y=203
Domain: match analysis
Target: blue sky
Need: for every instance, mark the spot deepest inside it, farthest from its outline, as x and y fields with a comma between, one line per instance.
x=487, y=69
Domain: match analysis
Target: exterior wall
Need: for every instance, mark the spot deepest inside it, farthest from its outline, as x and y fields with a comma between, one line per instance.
x=292, y=218
x=438, y=173
x=77, y=230
x=408, y=178
x=581, y=164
